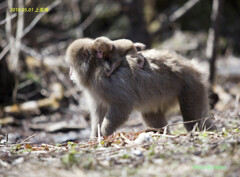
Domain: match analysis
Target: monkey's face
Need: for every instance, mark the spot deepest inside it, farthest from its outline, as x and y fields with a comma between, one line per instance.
x=102, y=49
x=71, y=74
x=100, y=54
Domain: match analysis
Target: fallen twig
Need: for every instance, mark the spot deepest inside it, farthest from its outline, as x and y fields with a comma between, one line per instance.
x=28, y=138
x=127, y=140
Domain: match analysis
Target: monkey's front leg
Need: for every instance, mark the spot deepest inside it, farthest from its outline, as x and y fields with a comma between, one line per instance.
x=97, y=115
x=116, y=63
x=115, y=117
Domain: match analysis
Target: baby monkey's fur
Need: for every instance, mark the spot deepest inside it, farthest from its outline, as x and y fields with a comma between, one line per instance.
x=115, y=51
x=165, y=80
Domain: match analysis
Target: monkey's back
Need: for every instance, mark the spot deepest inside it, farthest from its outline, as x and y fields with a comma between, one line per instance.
x=124, y=46
x=163, y=77
x=158, y=84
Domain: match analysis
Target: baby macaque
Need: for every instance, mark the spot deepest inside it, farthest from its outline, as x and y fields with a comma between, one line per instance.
x=167, y=80
x=115, y=50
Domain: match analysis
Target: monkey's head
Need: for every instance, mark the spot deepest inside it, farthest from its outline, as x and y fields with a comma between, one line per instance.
x=78, y=55
x=102, y=46
x=78, y=50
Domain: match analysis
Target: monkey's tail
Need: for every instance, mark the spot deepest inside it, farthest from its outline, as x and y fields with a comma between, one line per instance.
x=140, y=45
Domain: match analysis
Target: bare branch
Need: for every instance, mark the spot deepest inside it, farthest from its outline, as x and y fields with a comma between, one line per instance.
x=177, y=14
x=29, y=27
x=54, y=67
x=39, y=16
x=8, y=18
x=181, y=11
x=4, y=51
x=63, y=79
x=8, y=26
x=28, y=138
x=3, y=5
x=98, y=8
x=213, y=36
x=14, y=51
x=30, y=51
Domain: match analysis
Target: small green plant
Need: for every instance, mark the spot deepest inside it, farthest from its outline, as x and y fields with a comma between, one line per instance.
x=125, y=156
x=87, y=163
x=32, y=76
x=151, y=151
x=69, y=159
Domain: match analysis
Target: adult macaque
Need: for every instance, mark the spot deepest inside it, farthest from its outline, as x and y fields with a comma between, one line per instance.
x=115, y=51
x=165, y=80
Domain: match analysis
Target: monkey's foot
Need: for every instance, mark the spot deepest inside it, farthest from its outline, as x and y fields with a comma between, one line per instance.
x=140, y=64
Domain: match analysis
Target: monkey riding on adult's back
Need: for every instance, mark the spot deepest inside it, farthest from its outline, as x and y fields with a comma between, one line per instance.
x=165, y=80
x=115, y=51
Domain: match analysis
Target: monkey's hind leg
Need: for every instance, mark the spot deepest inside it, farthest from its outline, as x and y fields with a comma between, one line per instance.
x=115, y=117
x=139, y=60
x=193, y=101
x=155, y=119
x=139, y=45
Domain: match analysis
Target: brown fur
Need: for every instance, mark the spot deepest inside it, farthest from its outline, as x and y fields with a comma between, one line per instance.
x=115, y=51
x=166, y=79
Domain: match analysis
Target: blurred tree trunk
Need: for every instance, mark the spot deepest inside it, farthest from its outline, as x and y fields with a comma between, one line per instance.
x=213, y=36
x=6, y=83
x=10, y=70
x=138, y=31
x=7, y=80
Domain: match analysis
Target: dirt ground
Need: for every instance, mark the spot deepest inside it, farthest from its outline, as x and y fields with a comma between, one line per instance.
x=133, y=150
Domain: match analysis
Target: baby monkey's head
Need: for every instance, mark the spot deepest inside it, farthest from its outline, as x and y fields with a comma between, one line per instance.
x=103, y=46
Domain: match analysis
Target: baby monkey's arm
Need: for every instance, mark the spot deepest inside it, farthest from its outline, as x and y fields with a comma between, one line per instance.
x=116, y=61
